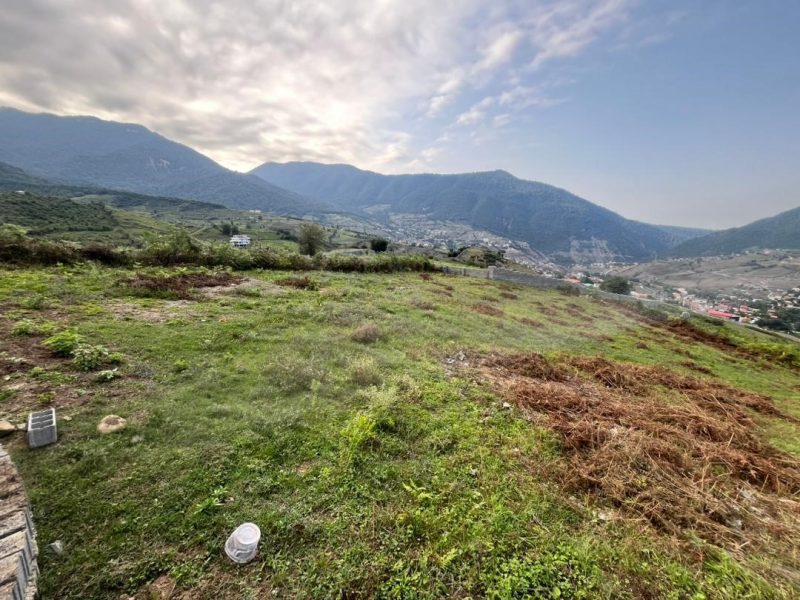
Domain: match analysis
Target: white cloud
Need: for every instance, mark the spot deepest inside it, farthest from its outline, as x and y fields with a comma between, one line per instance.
x=246, y=82
x=566, y=28
x=501, y=120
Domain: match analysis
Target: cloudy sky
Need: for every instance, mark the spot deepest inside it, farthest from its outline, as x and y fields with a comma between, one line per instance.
x=669, y=111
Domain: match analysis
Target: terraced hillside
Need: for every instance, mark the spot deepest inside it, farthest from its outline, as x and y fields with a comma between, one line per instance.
x=396, y=436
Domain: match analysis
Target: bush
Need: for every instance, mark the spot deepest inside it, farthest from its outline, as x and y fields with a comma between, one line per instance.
x=378, y=244
x=89, y=358
x=63, y=343
x=366, y=333
x=176, y=249
x=105, y=254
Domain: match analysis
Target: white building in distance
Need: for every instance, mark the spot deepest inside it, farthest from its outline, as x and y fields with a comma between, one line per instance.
x=240, y=241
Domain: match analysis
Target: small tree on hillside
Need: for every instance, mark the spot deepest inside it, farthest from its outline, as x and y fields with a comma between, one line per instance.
x=378, y=244
x=616, y=285
x=311, y=239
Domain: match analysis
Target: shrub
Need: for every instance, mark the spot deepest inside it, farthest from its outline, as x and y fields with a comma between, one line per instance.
x=175, y=249
x=89, y=358
x=12, y=234
x=364, y=371
x=378, y=244
x=63, y=343
x=366, y=333
x=105, y=254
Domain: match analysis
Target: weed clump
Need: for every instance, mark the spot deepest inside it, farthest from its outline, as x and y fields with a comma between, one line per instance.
x=367, y=333
x=364, y=371
x=300, y=282
x=87, y=357
x=63, y=343
x=359, y=432
x=29, y=327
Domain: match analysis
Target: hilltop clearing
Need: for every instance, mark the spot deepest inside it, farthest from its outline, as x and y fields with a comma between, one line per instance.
x=403, y=435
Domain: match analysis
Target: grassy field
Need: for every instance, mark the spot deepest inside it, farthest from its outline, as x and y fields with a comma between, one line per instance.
x=363, y=423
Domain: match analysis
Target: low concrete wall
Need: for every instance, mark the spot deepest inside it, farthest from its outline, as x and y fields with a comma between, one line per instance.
x=526, y=278
x=18, y=550
x=538, y=281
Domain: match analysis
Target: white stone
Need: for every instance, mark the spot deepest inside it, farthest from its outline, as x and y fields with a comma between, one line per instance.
x=111, y=423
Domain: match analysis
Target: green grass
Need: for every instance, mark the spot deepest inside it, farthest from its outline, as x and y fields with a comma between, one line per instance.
x=372, y=469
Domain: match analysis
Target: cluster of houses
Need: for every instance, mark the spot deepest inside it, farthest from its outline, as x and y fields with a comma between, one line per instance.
x=740, y=309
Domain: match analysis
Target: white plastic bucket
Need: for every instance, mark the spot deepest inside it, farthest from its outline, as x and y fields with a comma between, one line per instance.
x=242, y=544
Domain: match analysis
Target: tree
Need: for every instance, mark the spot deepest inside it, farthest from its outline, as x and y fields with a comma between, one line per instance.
x=311, y=239
x=229, y=229
x=378, y=244
x=616, y=285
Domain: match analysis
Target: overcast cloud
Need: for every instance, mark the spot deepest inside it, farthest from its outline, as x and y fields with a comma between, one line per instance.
x=375, y=83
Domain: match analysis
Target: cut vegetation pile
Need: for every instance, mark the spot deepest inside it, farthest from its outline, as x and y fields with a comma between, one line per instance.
x=179, y=285
x=678, y=452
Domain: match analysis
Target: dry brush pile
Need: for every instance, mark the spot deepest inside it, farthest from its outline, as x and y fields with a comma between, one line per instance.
x=679, y=452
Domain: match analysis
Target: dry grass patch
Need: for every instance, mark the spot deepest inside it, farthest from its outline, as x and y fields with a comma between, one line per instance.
x=366, y=333
x=364, y=371
x=298, y=282
x=485, y=309
x=686, y=461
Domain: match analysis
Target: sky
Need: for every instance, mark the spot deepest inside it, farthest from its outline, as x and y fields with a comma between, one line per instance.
x=668, y=111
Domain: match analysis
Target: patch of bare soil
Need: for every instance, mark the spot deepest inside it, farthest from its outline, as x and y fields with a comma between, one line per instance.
x=180, y=284
x=688, y=462
x=33, y=378
x=247, y=286
x=56, y=383
x=531, y=322
x=166, y=310
x=485, y=309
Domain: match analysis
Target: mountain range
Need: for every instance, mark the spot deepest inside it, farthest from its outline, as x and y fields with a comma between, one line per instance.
x=76, y=156
x=87, y=150
x=549, y=219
